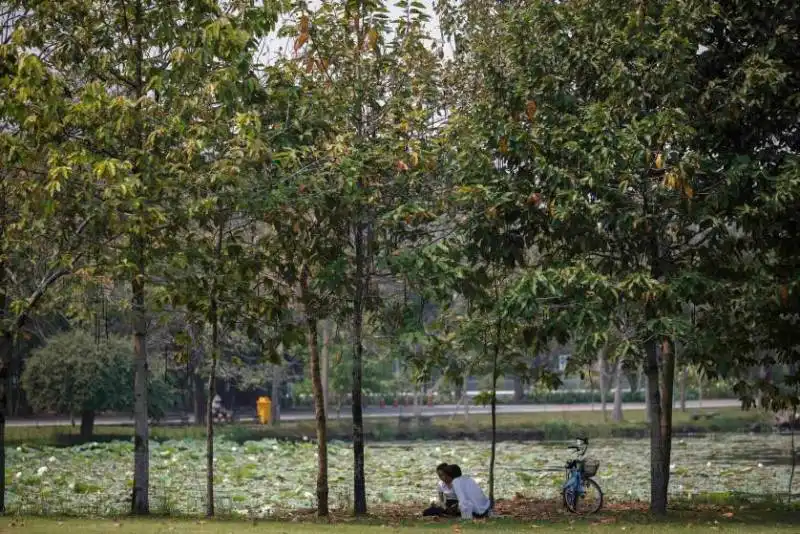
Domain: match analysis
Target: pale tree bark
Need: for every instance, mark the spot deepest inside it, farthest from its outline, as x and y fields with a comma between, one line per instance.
x=699, y=390
x=277, y=380
x=601, y=373
x=616, y=414
x=519, y=391
x=684, y=379
x=325, y=362
x=212, y=376
x=312, y=340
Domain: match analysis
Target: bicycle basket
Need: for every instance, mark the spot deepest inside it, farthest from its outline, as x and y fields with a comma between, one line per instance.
x=590, y=467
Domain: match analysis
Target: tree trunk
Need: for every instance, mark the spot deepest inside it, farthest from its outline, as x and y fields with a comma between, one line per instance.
x=199, y=398
x=699, y=390
x=5, y=353
x=495, y=373
x=660, y=372
x=319, y=401
x=684, y=379
x=140, y=503
x=196, y=357
x=465, y=395
x=617, y=415
x=601, y=375
x=519, y=390
x=359, y=484
x=325, y=362
x=87, y=424
x=275, y=407
x=212, y=390
x=213, y=317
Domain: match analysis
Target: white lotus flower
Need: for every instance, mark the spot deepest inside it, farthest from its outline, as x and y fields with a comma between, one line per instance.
x=305, y=438
x=234, y=449
x=308, y=495
x=42, y=470
x=478, y=480
x=672, y=467
x=438, y=450
x=18, y=475
x=708, y=464
x=760, y=465
x=51, y=459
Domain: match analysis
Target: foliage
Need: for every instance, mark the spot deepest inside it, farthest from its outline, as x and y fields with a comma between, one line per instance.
x=268, y=476
x=74, y=373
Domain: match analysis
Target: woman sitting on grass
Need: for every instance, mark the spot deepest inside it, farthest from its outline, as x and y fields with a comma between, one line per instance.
x=471, y=502
x=448, y=504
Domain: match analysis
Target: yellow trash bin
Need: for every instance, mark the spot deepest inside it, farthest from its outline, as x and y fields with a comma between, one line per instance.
x=264, y=410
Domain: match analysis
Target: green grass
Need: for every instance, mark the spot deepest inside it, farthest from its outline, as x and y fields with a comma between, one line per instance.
x=678, y=522
x=533, y=426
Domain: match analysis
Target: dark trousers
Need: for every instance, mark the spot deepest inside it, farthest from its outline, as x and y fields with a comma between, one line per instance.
x=450, y=509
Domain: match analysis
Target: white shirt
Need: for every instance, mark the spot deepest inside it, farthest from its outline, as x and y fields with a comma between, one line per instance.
x=446, y=491
x=471, y=499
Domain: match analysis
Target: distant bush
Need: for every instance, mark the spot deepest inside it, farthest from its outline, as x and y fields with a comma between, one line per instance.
x=75, y=374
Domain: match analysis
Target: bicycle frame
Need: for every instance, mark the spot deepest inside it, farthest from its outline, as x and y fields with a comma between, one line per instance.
x=574, y=474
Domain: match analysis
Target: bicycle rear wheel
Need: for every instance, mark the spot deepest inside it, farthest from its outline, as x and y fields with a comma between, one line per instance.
x=589, y=503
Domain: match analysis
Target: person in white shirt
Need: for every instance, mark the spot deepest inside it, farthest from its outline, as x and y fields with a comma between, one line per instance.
x=448, y=504
x=472, y=502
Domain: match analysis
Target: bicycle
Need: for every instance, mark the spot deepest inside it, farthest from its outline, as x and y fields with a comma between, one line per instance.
x=580, y=489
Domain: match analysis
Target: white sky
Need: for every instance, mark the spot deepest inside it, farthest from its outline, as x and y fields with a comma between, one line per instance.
x=273, y=46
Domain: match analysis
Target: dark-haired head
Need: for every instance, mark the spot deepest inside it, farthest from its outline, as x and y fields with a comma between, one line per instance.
x=454, y=471
x=443, y=471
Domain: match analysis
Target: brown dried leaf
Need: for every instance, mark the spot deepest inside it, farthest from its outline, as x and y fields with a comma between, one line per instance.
x=300, y=41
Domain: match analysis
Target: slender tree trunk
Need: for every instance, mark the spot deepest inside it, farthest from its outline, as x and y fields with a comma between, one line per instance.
x=212, y=390
x=213, y=317
x=5, y=353
x=495, y=373
x=684, y=379
x=601, y=374
x=140, y=503
x=359, y=484
x=699, y=390
x=199, y=398
x=195, y=363
x=87, y=424
x=617, y=415
x=519, y=392
x=325, y=362
x=275, y=407
x=465, y=395
x=319, y=401
x=141, y=470
x=660, y=372
x=494, y=415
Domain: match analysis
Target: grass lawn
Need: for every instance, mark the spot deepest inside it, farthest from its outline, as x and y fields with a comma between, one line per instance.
x=678, y=523
x=533, y=426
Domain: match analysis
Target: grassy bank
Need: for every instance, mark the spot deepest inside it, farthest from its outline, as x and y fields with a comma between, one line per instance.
x=630, y=522
x=533, y=426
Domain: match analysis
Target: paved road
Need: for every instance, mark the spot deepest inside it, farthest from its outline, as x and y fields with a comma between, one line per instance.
x=440, y=410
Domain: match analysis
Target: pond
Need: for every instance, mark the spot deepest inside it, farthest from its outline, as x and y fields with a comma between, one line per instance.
x=260, y=477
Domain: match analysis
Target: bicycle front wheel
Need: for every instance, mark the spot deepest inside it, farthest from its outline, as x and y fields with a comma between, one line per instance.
x=589, y=503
